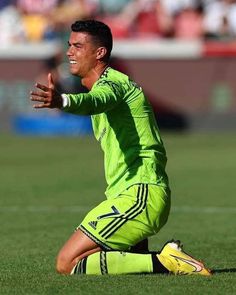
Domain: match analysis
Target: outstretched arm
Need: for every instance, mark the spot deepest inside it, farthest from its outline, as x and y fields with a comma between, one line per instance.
x=106, y=95
x=47, y=96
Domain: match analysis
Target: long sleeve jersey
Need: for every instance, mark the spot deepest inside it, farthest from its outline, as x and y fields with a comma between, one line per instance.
x=123, y=122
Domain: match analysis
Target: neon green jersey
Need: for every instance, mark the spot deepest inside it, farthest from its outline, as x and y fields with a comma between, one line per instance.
x=124, y=124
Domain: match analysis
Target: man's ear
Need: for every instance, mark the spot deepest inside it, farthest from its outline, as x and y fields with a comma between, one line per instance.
x=101, y=52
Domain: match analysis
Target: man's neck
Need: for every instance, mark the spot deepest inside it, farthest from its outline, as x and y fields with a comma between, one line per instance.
x=93, y=75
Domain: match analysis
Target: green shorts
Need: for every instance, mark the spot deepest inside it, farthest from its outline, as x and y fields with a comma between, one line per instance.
x=120, y=223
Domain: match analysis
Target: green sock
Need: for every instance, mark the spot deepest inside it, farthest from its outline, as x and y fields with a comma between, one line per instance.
x=114, y=262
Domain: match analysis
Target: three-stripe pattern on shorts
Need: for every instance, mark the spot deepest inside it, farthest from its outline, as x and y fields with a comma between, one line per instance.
x=131, y=213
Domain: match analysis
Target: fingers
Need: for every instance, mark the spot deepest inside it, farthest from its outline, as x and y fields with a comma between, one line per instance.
x=50, y=81
x=46, y=96
x=42, y=87
x=44, y=103
x=42, y=97
x=38, y=94
x=41, y=105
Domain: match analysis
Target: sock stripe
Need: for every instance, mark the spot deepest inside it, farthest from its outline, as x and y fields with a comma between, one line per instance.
x=83, y=265
x=80, y=268
x=76, y=268
x=103, y=262
x=131, y=213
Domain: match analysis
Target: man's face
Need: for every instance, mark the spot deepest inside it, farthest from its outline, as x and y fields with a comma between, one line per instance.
x=82, y=54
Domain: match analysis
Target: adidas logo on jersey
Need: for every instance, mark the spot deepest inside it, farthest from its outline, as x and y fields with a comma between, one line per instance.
x=93, y=224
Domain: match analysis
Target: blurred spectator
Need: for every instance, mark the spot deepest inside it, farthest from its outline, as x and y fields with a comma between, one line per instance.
x=109, y=12
x=174, y=7
x=68, y=11
x=12, y=29
x=4, y=3
x=36, y=18
x=189, y=24
x=141, y=18
x=36, y=7
x=111, y=7
x=220, y=19
x=153, y=19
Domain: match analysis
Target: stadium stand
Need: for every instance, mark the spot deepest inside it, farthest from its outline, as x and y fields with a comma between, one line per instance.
x=153, y=38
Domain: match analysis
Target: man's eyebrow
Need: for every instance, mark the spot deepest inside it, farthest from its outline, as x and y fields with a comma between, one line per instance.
x=76, y=43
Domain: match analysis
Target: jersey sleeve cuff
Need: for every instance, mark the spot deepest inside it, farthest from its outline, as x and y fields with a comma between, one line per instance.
x=65, y=100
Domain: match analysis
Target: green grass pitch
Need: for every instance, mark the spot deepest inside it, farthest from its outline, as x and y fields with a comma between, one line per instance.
x=48, y=184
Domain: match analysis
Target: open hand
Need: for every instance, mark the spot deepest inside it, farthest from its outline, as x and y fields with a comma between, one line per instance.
x=46, y=95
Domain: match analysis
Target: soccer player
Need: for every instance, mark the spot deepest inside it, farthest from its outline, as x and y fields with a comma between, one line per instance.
x=138, y=193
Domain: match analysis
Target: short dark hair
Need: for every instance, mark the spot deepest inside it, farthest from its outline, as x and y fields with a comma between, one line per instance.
x=99, y=31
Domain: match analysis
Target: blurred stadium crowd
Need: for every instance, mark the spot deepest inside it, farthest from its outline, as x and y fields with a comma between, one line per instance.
x=39, y=20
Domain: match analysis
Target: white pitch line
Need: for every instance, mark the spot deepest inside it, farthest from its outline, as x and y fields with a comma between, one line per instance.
x=207, y=210
x=82, y=209
x=42, y=209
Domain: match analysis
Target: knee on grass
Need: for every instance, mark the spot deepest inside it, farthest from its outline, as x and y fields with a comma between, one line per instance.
x=63, y=265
